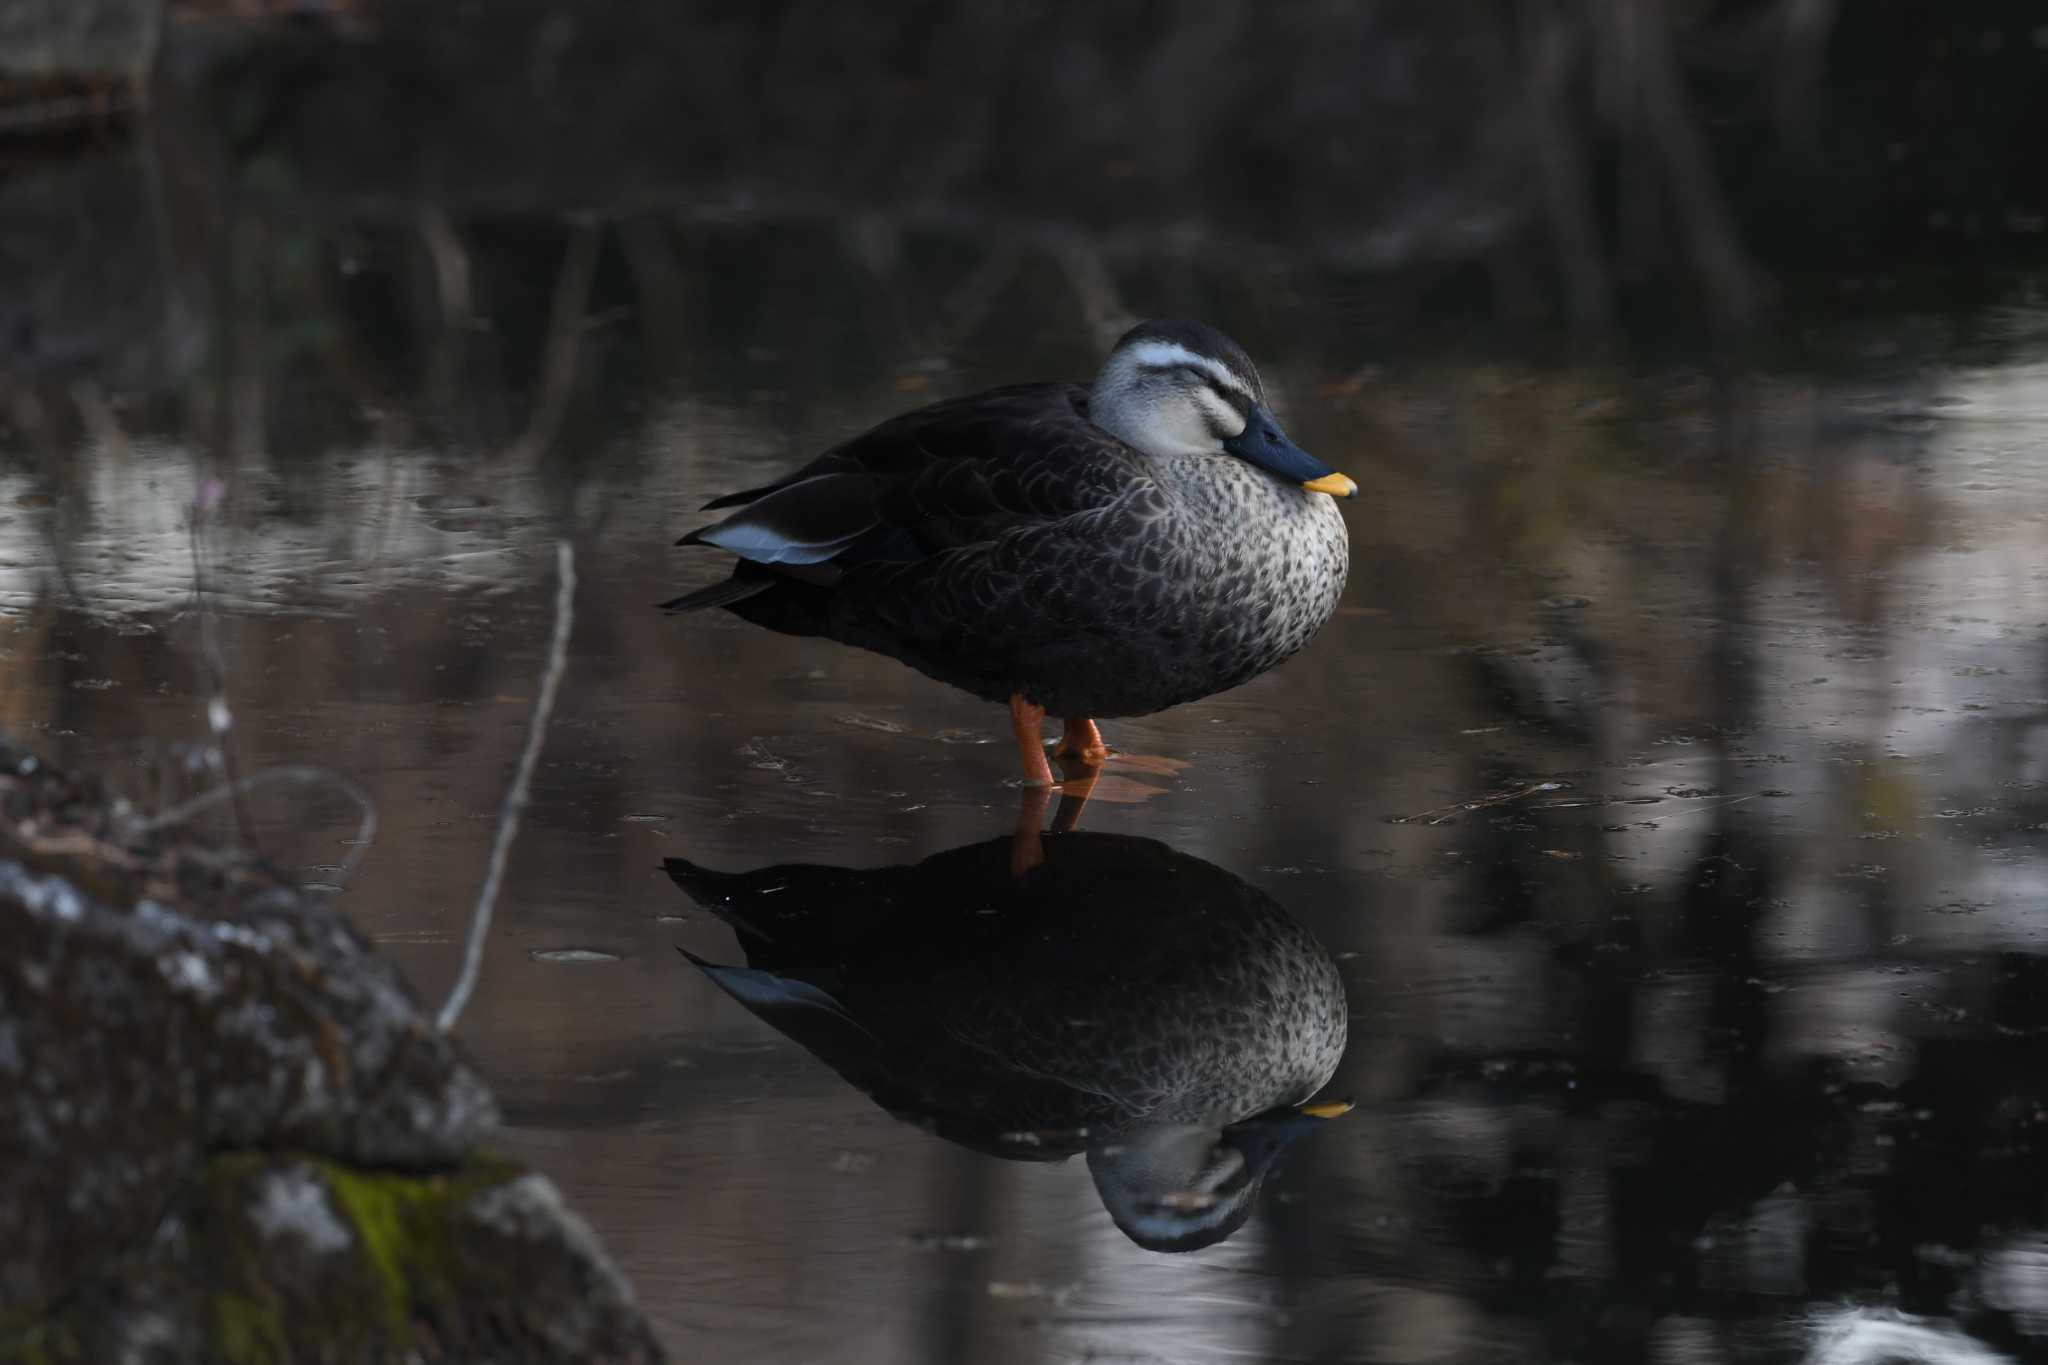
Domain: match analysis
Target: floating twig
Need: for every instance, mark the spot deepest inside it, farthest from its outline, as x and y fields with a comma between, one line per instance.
x=1702, y=809
x=306, y=773
x=515, y=795
x=1442, y=813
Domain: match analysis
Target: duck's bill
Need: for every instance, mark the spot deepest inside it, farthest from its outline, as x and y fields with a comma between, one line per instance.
x=1328, y=1109
x=1263, y=1136
x=1263, y=443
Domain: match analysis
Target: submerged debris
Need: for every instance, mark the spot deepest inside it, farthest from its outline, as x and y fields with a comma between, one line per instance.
x=572, y=955
x=1444, y=814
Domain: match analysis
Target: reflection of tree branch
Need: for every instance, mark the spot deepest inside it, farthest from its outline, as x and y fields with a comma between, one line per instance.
x=247, y=405
x=28, y=414
x=1094, y=286
x=455, y=301
x=664, y=293
x=565, y=332
x=875, y=246
x=967, y=307
x=1803, y=27
x=1566, y=199
x=99, y=417
x=33, y=421
x=220, y=718
x=452, y=275
x=1642, y=63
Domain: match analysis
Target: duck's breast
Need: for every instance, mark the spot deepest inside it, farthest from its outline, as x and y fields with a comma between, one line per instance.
x=1262, y=562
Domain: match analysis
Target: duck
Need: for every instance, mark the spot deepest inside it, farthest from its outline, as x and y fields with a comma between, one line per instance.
x=1125, y=1001
x=1078, y=551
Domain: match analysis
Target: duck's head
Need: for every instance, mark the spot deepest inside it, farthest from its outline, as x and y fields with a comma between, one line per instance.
x=1184, y=388
x=1183, y=1186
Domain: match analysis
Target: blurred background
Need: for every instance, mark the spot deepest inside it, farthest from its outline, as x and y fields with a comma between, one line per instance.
x=1671, y=788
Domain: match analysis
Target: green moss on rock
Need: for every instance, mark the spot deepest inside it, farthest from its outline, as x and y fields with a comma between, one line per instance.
x=245, y=1142
x=271, y=1258
x=249, y=1331
x=401, y=1224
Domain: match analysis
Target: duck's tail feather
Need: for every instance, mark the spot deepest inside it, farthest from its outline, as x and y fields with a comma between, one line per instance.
x=719, y=594
x=730, y=896
x=795, y=915
x=714, y=891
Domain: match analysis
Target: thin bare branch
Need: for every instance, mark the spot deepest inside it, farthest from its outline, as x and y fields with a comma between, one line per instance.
x=515, y=795
x=306, y=774
x=1567, y=194
x=1444, y=814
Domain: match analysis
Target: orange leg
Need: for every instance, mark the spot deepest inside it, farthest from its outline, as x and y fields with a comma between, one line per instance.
x=1027, y=721
x=1083, y=741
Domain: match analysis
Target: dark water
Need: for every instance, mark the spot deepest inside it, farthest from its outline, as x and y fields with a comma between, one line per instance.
x=1669, y=791
x=1672, y=809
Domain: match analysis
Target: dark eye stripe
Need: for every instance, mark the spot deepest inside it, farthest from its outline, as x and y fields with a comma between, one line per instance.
x=1239, y=401
x=1218, y=428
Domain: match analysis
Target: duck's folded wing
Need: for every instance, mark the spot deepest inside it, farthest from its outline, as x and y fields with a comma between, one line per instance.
x=954, y=474
x=806, y=522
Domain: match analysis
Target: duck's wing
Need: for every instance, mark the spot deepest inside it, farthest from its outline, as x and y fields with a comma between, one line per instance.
x=958, y=473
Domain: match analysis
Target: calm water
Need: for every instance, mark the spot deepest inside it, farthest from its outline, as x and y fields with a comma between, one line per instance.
x=1670, y=792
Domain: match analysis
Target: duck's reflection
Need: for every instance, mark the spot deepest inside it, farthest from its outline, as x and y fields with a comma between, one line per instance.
x=1119, y=999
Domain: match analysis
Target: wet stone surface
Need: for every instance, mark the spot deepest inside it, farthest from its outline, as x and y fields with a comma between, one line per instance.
x=263, y=1258
x=227, y=1131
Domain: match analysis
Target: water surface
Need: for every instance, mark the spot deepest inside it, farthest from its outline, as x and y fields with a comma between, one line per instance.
x=1669, y=790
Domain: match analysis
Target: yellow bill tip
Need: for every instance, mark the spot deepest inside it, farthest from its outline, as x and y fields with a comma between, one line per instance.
x=1336, y=485
x=1328, y=1109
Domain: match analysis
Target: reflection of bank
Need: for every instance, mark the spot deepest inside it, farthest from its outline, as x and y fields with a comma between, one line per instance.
x=116, y=541
x=1120, y=999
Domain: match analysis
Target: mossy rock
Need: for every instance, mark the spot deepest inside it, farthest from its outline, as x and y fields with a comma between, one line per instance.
x=263, y=1260
x=161, y=999
x=228, y=1132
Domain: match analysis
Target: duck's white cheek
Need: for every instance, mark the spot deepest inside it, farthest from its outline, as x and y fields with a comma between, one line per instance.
x=1197, y=435
x=1188, y=431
